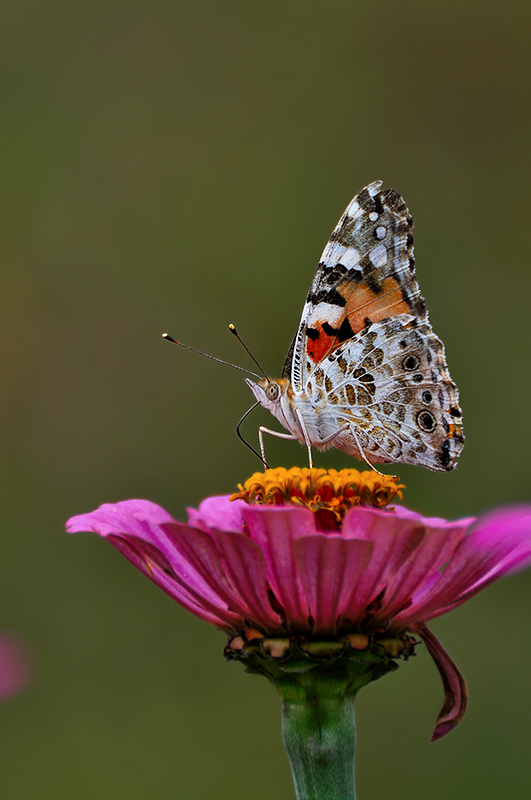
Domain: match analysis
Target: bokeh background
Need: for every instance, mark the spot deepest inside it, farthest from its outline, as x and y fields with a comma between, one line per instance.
x=179, y=165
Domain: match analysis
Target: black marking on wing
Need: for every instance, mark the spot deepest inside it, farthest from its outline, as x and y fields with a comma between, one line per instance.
x=331, y=296
x=369, y=276
x=394, y=202
x=366, y=202
x=445, y=456
x=342, y=333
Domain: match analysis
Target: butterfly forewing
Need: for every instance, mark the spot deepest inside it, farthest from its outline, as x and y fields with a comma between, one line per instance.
x=366, y=272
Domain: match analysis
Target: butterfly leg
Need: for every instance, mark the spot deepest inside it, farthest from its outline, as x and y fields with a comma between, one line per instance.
x=334, y=435
x=306, y=438
x=261, y=431
x=363, y=456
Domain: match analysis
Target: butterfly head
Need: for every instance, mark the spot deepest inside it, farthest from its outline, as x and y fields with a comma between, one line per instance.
x=270, y=393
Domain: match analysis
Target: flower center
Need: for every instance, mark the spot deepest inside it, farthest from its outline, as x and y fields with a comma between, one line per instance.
x=328, y=493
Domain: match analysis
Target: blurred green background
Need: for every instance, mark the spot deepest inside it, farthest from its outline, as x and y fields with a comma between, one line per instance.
x=179, y=166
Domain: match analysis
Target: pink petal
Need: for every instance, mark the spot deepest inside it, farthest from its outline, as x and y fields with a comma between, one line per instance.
x=275, y=531
x=434, y=550
x=505, y=517
x=512, y=563
x=138, y=520
x=394, y=540
x=217, y=512
x=198, y=552
x=124, y=517
x=142, y=523
x=422, y=591
x=200, y=600
x=431, y=522
x=328, y=566
x=244, y=566
x=480, y=558
x=455, y=691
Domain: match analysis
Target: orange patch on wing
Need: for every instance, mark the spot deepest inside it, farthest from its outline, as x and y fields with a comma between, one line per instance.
x=363, y=302
x=317, y=349
x=454, y=431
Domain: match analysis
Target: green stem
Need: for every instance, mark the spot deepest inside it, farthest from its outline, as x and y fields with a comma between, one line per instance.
x=318, y=681
x=320, y=740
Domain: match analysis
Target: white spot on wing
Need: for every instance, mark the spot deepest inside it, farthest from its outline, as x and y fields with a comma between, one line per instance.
x=333, y=253
x=378, y=255
x=327, y=311
x=351, y=258
x=352, y=208
x=374, y=187
x=381, y=232
x=373, y=216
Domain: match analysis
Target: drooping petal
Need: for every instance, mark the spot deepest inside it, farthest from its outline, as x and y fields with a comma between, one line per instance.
x=275, y=531
x=328, y=567
x=217, y=512
x=455, y=691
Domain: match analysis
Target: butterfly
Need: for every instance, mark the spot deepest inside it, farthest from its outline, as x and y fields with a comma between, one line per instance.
x=365, y=372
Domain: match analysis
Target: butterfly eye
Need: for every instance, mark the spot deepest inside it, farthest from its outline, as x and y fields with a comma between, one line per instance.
x=272, y=391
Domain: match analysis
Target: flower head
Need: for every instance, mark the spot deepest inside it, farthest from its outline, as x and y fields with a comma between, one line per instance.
x=328, y=493
x=308, y=564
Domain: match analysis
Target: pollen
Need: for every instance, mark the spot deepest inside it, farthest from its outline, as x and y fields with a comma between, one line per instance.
x=329, y=493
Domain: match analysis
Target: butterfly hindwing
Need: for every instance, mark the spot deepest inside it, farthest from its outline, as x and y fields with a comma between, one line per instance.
x=390, y=385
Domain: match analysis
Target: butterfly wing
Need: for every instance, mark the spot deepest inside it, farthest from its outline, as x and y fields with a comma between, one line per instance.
x=366, y=273
x=390, y=385
x=365, y=354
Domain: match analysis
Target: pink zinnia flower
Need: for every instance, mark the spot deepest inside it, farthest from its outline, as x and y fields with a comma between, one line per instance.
x=314, y=564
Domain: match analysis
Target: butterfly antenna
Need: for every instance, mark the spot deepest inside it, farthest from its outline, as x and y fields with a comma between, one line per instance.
x=240, y=437
x=232, y=329
x=207, y=355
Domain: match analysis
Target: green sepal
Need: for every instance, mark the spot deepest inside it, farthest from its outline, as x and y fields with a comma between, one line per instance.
x=304, y=669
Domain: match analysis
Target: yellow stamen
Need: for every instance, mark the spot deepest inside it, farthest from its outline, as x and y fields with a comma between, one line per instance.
x=320, y=490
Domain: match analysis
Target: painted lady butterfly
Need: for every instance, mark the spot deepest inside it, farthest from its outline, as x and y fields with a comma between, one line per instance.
x=365, y=372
